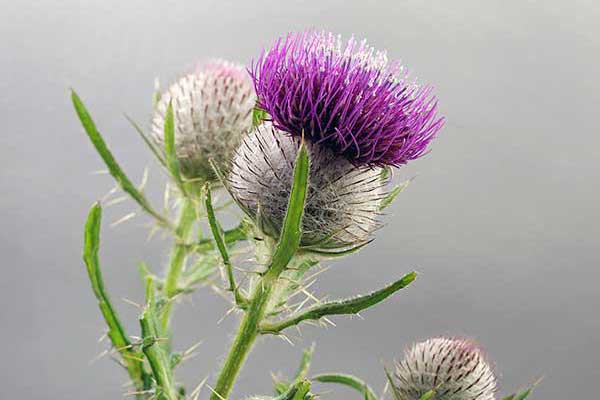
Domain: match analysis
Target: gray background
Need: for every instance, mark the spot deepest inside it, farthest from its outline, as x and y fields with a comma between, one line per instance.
x=502, y=220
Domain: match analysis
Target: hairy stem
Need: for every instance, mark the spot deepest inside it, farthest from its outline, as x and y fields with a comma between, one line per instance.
x=246, y=335
x=180, y=251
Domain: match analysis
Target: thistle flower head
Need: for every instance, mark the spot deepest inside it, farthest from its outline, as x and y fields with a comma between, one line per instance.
x=455, y=368
x=346, y=96
x=343, y=201
x=212, y=108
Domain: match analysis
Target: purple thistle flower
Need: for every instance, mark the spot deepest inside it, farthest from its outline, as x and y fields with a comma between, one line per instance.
x=346, y=97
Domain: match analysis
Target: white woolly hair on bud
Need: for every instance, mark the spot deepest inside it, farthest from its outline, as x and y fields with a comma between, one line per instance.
x=212, y=109
x=456, y=369
x=343, y=201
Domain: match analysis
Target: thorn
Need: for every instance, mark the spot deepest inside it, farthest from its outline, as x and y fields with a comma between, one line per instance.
x=196, y=392
x=139, y=392
x=286, y=339
x=99, y=172
x=216, y=394
x=144, y=180
x=132, y=303
x=108, y=194
x=153, y=229
x=103, y=337
x=115, y=201
x=227, y=313
x=124, y=219
x=193, y=347
x=99, y=356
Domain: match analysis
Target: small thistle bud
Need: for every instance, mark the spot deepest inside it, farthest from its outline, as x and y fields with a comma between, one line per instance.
x=456, y=369
x=347, y=97
x=343, y=201
x=212, y=109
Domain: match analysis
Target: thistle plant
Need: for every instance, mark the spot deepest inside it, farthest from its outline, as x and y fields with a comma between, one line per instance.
x=304, y=142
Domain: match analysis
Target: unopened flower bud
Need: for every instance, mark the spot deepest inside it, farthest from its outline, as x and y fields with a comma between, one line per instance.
x=456, y=369
x=212, y=109
x=343, y=200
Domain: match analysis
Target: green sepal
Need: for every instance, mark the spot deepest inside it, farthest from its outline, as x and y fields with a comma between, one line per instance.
x=151, y=145
x=392, y=194
x=392, y=384
x=110, y=161
x=258, y=116
x=428, y=396
x=170, y=150
x=522, y=395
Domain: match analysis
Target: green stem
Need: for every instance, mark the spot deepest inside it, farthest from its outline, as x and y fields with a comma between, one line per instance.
x=180, y=251
x=246, y=335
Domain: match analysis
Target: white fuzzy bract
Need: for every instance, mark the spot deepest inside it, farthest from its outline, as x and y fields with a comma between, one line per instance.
x=212, y=108
x=455, y=368
x=343, y=201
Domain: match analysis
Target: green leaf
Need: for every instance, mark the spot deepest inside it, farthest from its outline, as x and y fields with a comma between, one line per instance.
x=350, y=381
x=116, y=331
x=170, y=150
x=219, y=238
x=159, y=360
x=339, y=307
x=291, y=233
x=155, y=150
x=113, y=167
x=258, y=116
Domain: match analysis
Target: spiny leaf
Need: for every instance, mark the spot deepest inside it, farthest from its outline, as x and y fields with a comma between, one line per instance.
x=116, y=331
x=219, y=238
x=113, y=167
x=339, y=307
x=350, y=381
x=291, y=232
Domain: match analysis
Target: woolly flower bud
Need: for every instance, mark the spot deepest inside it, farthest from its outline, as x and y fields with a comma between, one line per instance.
x=455, y=368
x=212, y=108
x=342, y=202
x=346, y=96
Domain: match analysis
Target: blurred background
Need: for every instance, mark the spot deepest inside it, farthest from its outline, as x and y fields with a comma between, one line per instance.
x=501, y=221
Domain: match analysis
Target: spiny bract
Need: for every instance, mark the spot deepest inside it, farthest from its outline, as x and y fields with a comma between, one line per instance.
x=343, y=201
x=346, y=96
x=455, y=368
x=212, y=108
